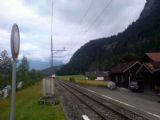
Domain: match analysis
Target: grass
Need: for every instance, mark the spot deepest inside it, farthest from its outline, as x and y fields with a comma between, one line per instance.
x=67, y=77
x=27, y=107
x=80, y=79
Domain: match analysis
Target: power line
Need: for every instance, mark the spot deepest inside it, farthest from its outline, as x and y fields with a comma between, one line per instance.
x=98, y=16
x=96, y=19
x=86, y=13
x=103, y=10
x=83, y=18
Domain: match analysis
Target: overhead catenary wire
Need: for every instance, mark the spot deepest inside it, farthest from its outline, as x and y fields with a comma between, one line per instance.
x=95, y=20
x=98, y=16
x=84, y=16
x=92, y=24
x=82, y=20
x=86, y=13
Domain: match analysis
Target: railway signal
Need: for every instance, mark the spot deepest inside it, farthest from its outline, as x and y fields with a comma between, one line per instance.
x=15, y=45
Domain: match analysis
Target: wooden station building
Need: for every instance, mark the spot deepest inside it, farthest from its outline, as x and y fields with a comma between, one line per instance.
x=149, y=72
x=124, y=73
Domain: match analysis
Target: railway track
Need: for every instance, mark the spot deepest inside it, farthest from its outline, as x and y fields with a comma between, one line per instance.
x=103, y=108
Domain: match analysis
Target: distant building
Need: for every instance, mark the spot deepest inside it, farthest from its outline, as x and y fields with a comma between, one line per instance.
x=98, y=75
x=124, y=73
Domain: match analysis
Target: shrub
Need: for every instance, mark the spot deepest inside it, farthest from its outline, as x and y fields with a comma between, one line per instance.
x=92, y=77
x=72, y=79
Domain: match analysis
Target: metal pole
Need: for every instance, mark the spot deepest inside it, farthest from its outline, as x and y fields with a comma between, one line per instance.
x=52, y=71
x=52, y=68
x=13, y=91
x=53, y=89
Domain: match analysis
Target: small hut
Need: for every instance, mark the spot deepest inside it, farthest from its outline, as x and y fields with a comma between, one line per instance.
x=150, y=71
x=124, y=73
x=48, y=86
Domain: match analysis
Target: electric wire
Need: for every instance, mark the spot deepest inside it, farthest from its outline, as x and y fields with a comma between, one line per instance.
x=95, y=20
x=98, y=16
x=82, y=20
x=84, y=16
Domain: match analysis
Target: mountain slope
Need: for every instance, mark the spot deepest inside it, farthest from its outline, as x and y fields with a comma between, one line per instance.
x=102, y=54
x=40, y=65
x=49, y=71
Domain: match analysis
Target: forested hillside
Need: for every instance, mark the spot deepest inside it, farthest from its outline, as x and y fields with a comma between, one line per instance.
x=102, y=54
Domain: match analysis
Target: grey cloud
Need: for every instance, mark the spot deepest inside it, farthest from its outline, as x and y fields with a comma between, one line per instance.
x=67, y=31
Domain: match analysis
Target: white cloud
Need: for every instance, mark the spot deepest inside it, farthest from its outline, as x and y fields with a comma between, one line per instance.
x=4, y=39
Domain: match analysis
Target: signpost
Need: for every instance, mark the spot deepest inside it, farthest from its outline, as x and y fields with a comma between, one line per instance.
x=15, y=45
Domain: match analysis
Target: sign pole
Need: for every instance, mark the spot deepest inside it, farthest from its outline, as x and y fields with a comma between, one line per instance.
x=13, y=90
x=15, y=45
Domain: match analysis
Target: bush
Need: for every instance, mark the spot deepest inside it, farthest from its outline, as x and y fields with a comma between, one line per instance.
x=92, y=78
x=72, y=79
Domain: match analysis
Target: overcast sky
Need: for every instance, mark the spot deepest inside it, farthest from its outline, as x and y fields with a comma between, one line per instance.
x=75, y=22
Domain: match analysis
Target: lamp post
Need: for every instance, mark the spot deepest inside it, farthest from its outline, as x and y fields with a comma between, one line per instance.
x=15, y=45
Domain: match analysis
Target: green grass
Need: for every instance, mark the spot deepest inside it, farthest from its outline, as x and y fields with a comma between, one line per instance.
x=80, y=79
x=77, y=77
x=27, y=107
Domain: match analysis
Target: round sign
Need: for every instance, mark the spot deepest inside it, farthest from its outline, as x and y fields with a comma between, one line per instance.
x=15, y=41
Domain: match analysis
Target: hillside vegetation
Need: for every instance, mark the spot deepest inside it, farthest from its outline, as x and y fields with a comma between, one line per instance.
x=102, y=54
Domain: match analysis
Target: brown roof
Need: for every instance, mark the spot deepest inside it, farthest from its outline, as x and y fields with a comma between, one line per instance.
x=152, y=67
x=121, y=68
x=154, y=56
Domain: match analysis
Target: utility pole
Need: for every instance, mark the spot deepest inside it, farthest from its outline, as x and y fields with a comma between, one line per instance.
x=52, y=55
x=52, y=70
x=52, y=50
x=52, y=66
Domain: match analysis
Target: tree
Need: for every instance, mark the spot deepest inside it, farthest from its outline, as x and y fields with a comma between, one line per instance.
x=128, y=57
x=5, y=69
x=23, y=70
